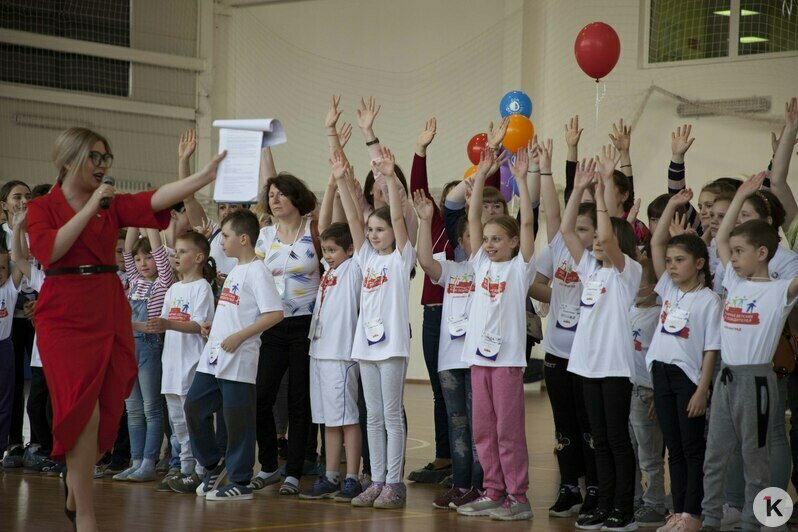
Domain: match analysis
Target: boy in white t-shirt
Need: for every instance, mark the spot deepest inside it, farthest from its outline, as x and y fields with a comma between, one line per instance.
x=228, y=367
x=9, y=290
x=743, y=407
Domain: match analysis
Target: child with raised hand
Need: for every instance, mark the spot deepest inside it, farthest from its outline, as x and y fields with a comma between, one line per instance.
x=622, y=189
x=458, y=280
x=602, y=352
x=781, y=165
x=682, y=358
x=187, y=305
x=333, y=373
x=502, y=258
x=382, y=338
x=681, y=141
x=754, y=313
x=150, y=275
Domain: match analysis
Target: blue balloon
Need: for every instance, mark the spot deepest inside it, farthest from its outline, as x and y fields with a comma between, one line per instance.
x=515, y=103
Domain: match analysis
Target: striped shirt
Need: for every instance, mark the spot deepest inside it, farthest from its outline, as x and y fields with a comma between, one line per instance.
x=139, y=285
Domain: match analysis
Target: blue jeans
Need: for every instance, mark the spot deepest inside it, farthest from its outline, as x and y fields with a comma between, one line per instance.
x=456, y=388
x=144, y=411
x=237, y=400
x=430, y=337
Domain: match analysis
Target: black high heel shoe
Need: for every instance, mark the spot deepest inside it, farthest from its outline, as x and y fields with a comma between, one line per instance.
x=71, y=514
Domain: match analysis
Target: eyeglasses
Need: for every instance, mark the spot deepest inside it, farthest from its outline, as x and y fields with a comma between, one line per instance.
x=101, y=159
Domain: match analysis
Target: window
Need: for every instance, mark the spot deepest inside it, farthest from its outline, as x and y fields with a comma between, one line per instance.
x=100, y=21
x=686, y=30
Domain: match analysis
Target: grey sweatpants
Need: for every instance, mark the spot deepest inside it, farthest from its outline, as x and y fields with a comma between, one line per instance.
x=743, y=412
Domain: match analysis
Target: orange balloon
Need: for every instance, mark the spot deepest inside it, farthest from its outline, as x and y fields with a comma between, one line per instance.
x=519, y=133
x=471, y=171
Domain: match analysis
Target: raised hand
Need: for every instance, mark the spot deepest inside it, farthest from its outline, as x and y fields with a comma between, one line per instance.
x=188, y=143
x=423, y=205
x=774, y=140
x=621, y=136
x=338, y=165
x=344, y=133
x=572, y=132
x=682, y=197
x=585, y=174
x=486, y=161
x=791, y=114
x=206, y=229
x=385, y=164
x=634, y=211
x=500, y=160
x=521, y=165
x=678, y=225
x=367, y=112
x=681, y=142
x=751, y=185
x=495, y=137
x=333, y=113
x=426, y=136
x=545, y=151
x=608, y=160
x=600, y=186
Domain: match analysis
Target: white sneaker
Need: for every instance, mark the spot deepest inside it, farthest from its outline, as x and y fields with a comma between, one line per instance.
x=99, y=472
x=732, y=518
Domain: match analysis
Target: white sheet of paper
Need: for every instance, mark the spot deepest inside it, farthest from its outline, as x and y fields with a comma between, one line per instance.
x=238, y=176
x=273, y=132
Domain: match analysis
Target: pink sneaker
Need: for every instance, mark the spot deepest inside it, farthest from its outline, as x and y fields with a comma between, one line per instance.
x=367, y=498
x=688, y=523
x=671, y=523
x=391, y=497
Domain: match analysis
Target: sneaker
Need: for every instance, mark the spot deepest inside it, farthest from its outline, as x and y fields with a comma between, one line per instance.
x=31, y=456
x=164, y=484
x=639, y=503
x=116, y=466
x=688, y=523
x=593, y=520
x=323, y=488
x=448, y=482
x=732, y=517
x=670, y=522
x=468, y=497
x=512, y=510
x=288, y=488
x=47, y=466
x=591, y=502
x=258, y=482
x=230, y=492
x=443, y=500
x=369, y=495
x=480, y=507
x=185, y=484
x=649, y=516
x=391, y=497
x=142, y=475
x=351, y=489
x=619, y=521
x=429, y=474
x=124, y=474
x=14, y=457
x=567, y=504
x=211, y=480
x=99, y=472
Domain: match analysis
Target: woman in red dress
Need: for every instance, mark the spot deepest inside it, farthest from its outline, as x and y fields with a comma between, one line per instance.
x=83, y=318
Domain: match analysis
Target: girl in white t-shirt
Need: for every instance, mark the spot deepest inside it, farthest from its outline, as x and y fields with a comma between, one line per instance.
x=382, y=337
x=187, y=305
x=682, y=357
x=602, y=350
x=502, y=258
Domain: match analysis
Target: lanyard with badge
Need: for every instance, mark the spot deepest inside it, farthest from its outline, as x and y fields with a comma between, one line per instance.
x=279, y=280
x=441, y=255
x=372, y=325
x=457, y=321
x=592, y=291
x=315, y=324
x=490, y=342
x=216, y=345
x=676, y=319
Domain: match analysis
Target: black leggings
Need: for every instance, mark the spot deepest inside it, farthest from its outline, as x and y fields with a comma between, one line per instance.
x=22, y=335
x=607, y=401
x=40, y=411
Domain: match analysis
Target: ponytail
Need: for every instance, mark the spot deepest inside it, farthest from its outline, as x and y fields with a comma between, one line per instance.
x=209, y=272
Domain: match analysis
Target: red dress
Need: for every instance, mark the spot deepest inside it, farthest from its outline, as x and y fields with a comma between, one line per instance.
x=83, y=322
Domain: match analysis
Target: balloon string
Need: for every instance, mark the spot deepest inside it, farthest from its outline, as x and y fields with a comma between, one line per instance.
x=599, y=97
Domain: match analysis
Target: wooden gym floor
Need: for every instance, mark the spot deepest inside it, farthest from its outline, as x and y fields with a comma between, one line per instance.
x=35, y=502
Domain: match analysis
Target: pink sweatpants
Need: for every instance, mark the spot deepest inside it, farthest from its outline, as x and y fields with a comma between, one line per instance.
x=499, y=432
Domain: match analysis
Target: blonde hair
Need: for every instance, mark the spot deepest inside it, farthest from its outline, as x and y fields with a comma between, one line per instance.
x=72, y=148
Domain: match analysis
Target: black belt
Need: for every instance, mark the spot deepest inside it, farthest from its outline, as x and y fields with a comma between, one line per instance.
x=83, y=270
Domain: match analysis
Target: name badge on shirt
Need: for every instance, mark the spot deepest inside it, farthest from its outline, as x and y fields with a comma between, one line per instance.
x=375, y=331
x=440, y=256
x=568, y=317
x=675, y=321
x=214, y=354
x=279, y=283
x=457, y=326
x=591, y=293
x=489, y=345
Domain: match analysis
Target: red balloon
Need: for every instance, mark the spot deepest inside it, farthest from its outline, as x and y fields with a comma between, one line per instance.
x=597, y=49
x=476, y=146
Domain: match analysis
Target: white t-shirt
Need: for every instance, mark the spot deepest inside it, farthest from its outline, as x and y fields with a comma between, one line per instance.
x=753, y=317
x=36, y=282
x=8, y=299
x=783, y=265
x=602, y=344
x=457, y=279
x=384, y=296
x=224, y=264
x=332, y=329
x=248, y=292
x=498, y=312
x=693, y=327
x=181, y=351
x=644, y=321
x=295, y=266
x=556, y=263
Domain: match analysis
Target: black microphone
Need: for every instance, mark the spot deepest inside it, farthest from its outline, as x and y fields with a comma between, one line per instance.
x=106, y=202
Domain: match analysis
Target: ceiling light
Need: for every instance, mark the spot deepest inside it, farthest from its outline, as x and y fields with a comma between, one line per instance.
x=743, y=12
x=748, y=39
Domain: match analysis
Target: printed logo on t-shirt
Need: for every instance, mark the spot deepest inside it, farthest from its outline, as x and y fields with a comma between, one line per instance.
x=3, y=309
x=374, y=279
x=740, y=311
x=636, y=339
x=460, y=284
x=492, y=288
x=566, y=273
x=230, y=293
x=326, y=282
x=179, y=310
